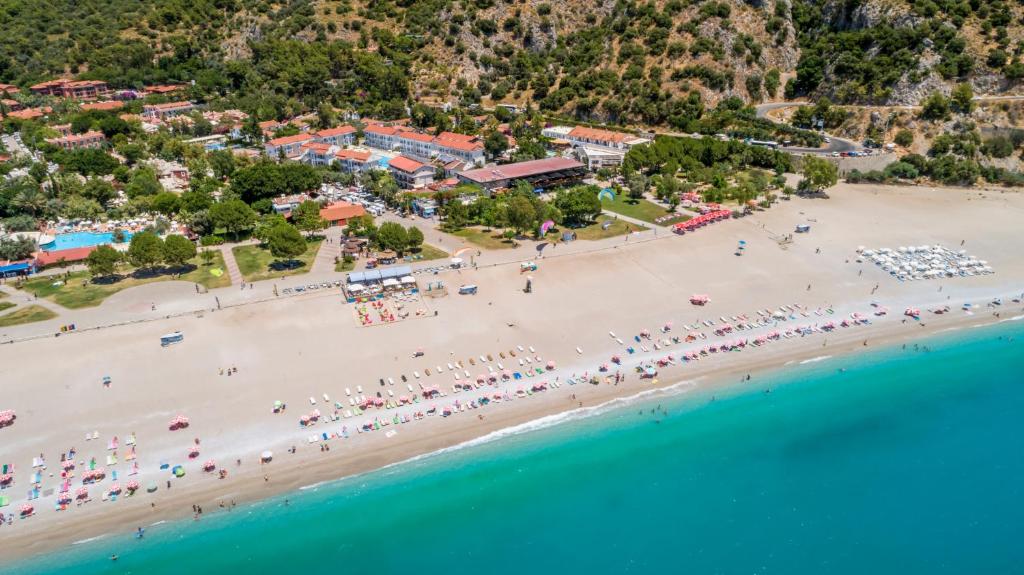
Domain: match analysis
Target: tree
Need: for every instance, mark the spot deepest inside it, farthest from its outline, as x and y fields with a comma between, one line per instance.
x=962, y=98
x=935, y=107
x=222, y=162
x=414, y=237
x=495, y=144
x=306, y=217
x=267, y=222
x=103, y=261
x=79, y=208
x=99, y=190
x=818, y=174
x=146, y=250
x=143, y=182
x=207, y=256
x=904, y=138
x=392, y=236
x=178, y=250
x=17, y=247
x=637, y=184
x=233, y=215
x=167, y=203
x=521, y=214
x=285, y=242
x=579, y=206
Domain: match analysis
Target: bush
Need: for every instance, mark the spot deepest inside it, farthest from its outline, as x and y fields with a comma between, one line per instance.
x=904, y=138
x=211, y=241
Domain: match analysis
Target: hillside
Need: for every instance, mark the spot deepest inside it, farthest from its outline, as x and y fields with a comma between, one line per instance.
x=661, y=62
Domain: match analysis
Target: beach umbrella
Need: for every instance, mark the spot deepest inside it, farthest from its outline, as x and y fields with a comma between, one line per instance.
x=82, y=493
x=209, y=465
x=27, y=509
x=178, y=471
x=266, y=456
x=551, y=365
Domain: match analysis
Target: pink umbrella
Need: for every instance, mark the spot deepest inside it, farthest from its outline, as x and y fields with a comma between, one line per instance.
x=82, y=493
x=132, y=485
x=209, y=465
x=115, y=489
x=551, y=365
x=27, y=509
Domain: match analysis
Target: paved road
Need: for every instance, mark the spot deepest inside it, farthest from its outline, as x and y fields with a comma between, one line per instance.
x=836, y=145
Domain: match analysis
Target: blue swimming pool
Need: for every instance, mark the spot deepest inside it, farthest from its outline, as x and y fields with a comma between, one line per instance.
x=81, y=240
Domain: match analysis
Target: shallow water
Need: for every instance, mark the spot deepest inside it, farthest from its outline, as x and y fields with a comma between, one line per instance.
x=904, y=462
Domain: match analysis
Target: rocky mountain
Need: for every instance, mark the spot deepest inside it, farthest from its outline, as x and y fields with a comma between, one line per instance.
x=659, y=62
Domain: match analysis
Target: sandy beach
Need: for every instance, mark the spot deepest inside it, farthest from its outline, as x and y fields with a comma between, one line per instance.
x=294, y=349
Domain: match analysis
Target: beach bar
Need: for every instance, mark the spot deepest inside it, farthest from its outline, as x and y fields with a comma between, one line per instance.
x=371, y=284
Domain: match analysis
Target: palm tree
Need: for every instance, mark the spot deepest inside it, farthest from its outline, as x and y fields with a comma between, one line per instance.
x=30, y=200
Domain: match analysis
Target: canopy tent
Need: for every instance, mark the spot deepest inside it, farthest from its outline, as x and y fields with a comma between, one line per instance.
x=379, y=275
x=408, y=280
x=391, y=282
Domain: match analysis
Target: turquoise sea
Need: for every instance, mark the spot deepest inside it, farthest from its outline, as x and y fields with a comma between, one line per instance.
x=891, y=461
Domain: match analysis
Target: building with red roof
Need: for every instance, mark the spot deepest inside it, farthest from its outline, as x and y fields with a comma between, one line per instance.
x=71, y=255
x=31, y=113
x=74, y=89
x=167, y=110
x=339, y=213
x=354, y=160
x=544, y=174
x=339, y=136
x=90, y=139
x=290, y=146
x=409, y=173
x=9, y=89
x=11, y=105
x=105, y=106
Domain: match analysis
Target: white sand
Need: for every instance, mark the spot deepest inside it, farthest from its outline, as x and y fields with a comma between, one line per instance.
x=305, y=346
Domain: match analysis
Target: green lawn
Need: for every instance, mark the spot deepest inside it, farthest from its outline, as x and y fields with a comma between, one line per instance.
x=79, y=290
x=256, y=263
x=27, y=314
x=617, y=228
x=640, y=209
x=5, y=305
x=428, y=252
x=485, y=238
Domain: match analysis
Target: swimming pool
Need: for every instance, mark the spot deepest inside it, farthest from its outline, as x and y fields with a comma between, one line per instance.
x=81, y=240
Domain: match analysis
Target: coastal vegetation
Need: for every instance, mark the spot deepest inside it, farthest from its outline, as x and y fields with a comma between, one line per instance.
x=260, y=262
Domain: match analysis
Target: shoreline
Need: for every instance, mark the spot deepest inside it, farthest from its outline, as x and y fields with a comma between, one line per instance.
x=307, y=470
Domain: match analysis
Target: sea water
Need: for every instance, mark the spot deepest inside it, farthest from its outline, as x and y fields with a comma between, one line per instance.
x=889, y=461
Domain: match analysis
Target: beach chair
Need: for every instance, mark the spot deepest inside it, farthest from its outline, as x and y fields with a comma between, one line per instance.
x=326, y=399
x=500, y=366
x=312, y=400
x=391, y=381
x=439, y=370
x=519, y=347
x=482, y=359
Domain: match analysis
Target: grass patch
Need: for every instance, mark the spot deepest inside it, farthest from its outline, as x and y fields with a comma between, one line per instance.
x=596, y=231
x=6, y=305
x=256, y=263
x=639, y=209
x=80, y=289
x=428, y=252
x=27, y=314
x=344, y=266
x=485, y=238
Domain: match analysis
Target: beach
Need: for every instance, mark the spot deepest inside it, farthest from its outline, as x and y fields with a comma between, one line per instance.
x=303, y=347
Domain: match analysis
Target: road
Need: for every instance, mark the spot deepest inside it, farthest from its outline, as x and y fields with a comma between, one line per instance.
x=836, y=145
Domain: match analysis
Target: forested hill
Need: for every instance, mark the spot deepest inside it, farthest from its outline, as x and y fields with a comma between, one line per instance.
x=656, y=63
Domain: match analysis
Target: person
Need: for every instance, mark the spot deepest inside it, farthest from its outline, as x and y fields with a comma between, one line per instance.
x=113, y=557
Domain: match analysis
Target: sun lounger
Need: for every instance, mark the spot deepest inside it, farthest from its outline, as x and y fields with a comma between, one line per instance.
x=348, y=391
x=439, y=370
x=451, y=367
x=351, y=401
x=416, y=374
x=312, y=400
x=465, y=373
x=359, y=389
x=483, y=359
x=391, y=381
x=500, y=366
x=327, y=399
x=579, y=350
x=409, y=387
x=519, y=347
x=536, y=358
